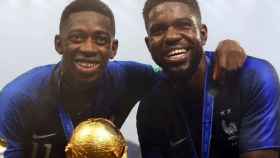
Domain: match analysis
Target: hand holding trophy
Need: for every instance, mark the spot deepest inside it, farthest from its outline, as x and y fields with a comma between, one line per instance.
x=96, y=138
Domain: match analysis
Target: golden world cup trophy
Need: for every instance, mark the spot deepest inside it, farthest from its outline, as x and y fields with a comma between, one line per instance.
x=96, y=138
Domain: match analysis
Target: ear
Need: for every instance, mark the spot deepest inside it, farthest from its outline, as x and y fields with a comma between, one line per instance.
x=148, y=43
x=115, y=45
x=58, y=44
x=203, y=34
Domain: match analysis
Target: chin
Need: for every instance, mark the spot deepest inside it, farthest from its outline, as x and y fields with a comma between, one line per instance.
x=86, y=80
x=181, y=72
x=91, y=80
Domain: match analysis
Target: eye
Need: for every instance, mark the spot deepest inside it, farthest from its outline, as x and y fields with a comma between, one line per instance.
x=157, y=30
x=102, y=39
x=184, y=24
x=76, y=37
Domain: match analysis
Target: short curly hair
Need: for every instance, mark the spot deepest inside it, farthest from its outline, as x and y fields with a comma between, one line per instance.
x=149, y=4
x=87, y=5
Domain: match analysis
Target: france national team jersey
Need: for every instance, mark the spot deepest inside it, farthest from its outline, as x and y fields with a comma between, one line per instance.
x=29, y=118
x=240, y=115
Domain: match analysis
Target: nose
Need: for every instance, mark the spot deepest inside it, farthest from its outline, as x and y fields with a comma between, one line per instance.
x=172, y=36
x=88, y=46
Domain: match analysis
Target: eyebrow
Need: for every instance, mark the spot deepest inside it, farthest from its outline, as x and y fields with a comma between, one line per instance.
x=184, y=19
x=156, y=24
x=97, y=31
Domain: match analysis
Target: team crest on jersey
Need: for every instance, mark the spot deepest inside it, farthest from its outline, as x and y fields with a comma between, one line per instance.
x=229, y=127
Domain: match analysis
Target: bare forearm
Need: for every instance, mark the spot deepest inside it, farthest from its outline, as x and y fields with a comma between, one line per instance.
x=260, y=154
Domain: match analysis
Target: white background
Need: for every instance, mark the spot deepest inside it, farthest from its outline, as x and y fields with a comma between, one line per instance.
x=28, y=27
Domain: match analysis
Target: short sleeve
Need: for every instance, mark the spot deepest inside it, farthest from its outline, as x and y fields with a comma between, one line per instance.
x=260, y=124
x=12, y=126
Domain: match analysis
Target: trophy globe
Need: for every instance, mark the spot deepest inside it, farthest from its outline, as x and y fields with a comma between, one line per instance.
x=96, y=138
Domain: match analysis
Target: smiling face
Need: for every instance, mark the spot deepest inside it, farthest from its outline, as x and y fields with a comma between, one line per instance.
x=175, y=38
x=86, y=43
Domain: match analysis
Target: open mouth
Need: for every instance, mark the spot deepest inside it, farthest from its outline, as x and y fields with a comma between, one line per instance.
x=178, y=55
x=87, y=66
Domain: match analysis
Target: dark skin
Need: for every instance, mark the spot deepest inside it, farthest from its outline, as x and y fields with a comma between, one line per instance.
x=87, y=37
x=175, y=40
x=86, y=43
x=228, y=49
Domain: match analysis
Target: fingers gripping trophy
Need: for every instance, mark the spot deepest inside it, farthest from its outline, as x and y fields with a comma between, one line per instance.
x=96, y=138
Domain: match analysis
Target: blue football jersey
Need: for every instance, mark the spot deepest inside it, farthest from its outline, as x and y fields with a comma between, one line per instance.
x=29, y=118
x=242, y=114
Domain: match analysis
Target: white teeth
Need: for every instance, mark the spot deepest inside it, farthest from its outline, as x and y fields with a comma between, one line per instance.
x=177, y=51
x=87, y=65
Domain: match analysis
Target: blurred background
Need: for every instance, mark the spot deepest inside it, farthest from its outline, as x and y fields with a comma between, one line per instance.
x=28, y=28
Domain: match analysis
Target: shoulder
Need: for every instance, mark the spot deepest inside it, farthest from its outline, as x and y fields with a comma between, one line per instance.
x=258, y=74
x=26, y=86
x=258, y=68
x=261, y=95
x=19, y=100
x=259, y=83
x=29, y=79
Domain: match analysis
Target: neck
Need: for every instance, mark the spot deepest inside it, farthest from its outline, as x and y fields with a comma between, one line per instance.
x=196, y=83
x=75, y=98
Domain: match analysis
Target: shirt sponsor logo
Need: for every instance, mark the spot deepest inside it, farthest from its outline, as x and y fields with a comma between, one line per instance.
x=229, y=127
